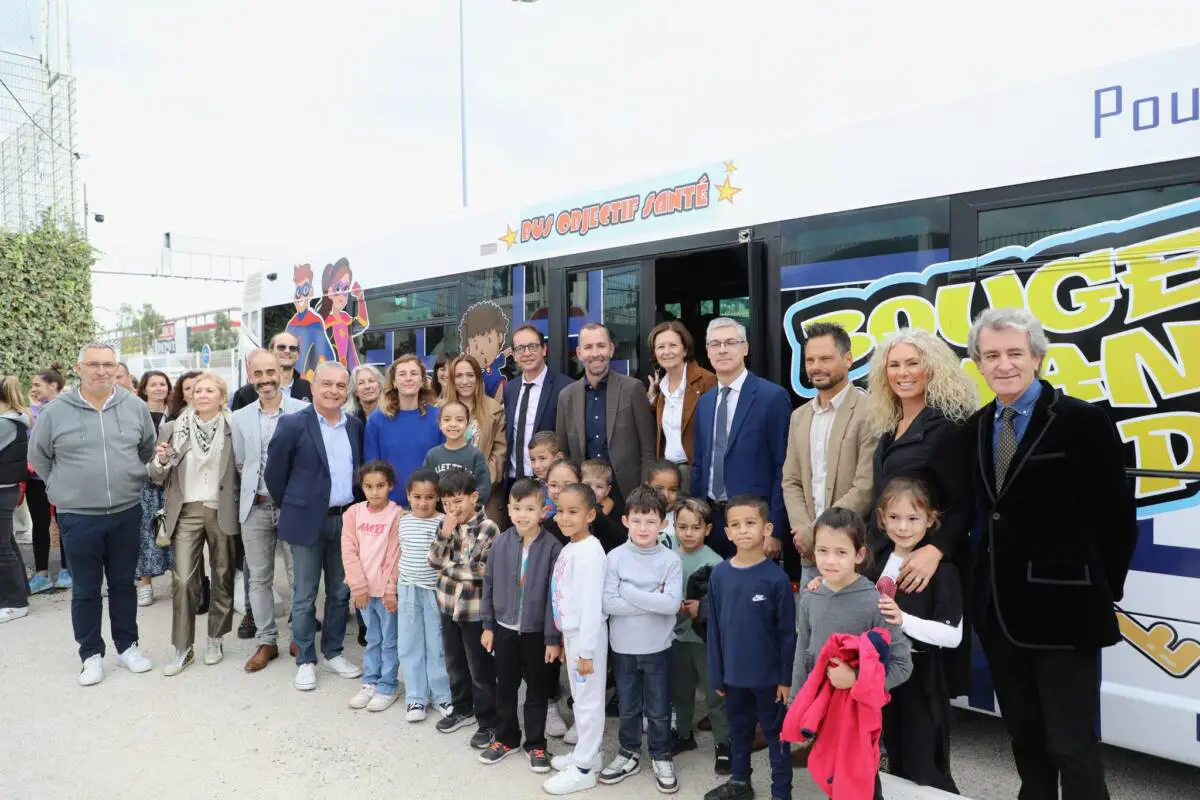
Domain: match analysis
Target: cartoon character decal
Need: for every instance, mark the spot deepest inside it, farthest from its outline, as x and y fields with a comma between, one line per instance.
x=306, y=325
x=482, y=332
x=337, y=284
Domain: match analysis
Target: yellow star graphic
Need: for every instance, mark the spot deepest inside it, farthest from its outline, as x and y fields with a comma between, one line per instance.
x=727, y=191
x=730, y=166
x=509, y=237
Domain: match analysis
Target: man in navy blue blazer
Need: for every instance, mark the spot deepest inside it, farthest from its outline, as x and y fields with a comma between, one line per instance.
x=741, y=437
x=530, y=402
x=311, y=464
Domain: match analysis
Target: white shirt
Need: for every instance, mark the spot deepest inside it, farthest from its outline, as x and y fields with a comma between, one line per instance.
x=735, y=391
x=818, y=444
x=201, y=484
x=672, y=419
x=929, y=631
x=535, y=395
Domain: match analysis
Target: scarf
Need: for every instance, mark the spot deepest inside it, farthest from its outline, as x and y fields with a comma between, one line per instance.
x=203, y=439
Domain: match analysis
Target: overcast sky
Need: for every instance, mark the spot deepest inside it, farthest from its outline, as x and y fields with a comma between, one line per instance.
x=277, y=126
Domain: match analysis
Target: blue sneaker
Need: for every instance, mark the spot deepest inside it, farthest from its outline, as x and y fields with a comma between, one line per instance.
x=39, y=583
x=64, y=580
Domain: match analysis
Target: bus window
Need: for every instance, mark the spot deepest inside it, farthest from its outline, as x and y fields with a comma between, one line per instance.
x=609, y=295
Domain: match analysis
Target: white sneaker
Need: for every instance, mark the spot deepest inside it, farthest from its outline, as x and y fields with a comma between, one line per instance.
x=133, y=660
x=306, y=677
x=92, y=672
x=179, y=663
x=381, y=702
x=214, y=652
x=571, y=736
x=9, y=614
x=145, y=595
x=621, y=767
x=445, y=709
x=415, y=713
x=556, y=726
x=569, y=781
x=565, y=762
x=360, y=700
x=664, y=776
x=340, y=666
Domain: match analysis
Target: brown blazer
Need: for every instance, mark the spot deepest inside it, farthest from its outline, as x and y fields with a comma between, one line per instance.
x=170, y=479
x=699, y=381
x=493, y=439
x=850, y=474
x=630, y=428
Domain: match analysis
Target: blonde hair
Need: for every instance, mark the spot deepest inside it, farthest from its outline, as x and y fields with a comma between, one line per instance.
x=948, y=387
x=352, y=405
x=12, y=398
x=216, y=379
x=389, y=403
x=478, y=408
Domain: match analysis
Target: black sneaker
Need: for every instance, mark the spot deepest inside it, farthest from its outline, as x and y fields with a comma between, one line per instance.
x=621, y=767
x=455, y=721
x=495, y=752
x=681, y=744
x=539, y=760
x=730, y=791
x=483, y=738
x=247, y=630
x=723, y=765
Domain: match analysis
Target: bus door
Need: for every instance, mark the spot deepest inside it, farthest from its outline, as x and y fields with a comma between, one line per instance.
x=613, y=295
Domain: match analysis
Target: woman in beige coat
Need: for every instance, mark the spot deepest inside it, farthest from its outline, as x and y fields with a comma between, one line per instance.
x=194, y=462
x=486, y=430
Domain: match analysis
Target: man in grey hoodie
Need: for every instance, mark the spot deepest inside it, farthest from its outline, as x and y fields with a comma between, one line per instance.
x=91, y=446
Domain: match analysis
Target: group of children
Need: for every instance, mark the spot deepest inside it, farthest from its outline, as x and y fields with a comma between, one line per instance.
x=586, y=583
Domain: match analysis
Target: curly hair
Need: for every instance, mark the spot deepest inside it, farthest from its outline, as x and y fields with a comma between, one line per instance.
x=948, y=387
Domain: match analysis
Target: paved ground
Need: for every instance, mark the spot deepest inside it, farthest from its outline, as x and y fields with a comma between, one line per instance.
x=216, y=731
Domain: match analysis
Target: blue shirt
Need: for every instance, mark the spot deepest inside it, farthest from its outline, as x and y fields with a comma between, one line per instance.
x=1023, y=405
x=751, y=626
x=336, y=439
x=403, y=441
x=595, y=418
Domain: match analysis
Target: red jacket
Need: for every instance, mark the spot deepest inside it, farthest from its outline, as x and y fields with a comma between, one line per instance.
x=843, y=725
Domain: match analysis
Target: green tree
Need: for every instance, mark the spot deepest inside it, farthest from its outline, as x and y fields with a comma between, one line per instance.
x=221, y=337
x=46, y=297
x=144, y=325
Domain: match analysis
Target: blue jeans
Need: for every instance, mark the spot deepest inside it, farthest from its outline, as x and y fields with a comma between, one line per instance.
x=103, y=545
x=379, y=659
x=744, y=707
x=308, y=564
x=419, y=644
x=644, y=688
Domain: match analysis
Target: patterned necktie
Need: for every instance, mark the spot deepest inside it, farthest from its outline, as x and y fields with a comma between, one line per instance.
x=1006, y=446
x=720, y=445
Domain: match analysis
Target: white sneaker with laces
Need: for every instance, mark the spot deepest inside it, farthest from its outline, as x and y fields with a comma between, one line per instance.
x=92, y=672
x=214, y=652
x=664, y=776
x=566, y=761
x=621, y=767
x=179, y=662
x=415, y=713
x=571, y=736
x=306, y=677
x=381, y=702
x=145, y=595
x=341, y=667
x=569, y=781
x=133, y=660
x=445, y=709
x=556, y=726
x=9, y=614
x=360, y=700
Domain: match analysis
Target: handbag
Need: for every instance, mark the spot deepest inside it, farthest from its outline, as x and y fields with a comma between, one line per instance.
x=162, y=536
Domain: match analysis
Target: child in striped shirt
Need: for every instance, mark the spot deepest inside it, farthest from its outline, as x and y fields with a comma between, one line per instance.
x=421, y=652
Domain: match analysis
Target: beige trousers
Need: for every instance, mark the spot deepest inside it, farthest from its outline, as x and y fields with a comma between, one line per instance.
x=198, y=525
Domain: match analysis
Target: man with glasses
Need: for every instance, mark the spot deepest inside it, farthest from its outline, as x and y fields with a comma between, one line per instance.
x=91, y=449
x=530, y=403
x=286, y=348
x=741, y=437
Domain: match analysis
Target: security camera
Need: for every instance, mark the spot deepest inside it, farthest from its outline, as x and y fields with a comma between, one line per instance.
x=98, y=217
x=744, y=235
x=272, y=276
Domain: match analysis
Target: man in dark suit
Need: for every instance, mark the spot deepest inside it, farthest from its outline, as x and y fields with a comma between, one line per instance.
x=530, y=403
x=606, y=415
x=741, y=437
x=1059, y=530
x=311, y=464
x=287, y=348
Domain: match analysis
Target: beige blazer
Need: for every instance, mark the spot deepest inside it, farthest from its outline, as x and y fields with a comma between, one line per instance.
x=629, y=424
x=850, y=473
x=493, y=439
x=170, y=479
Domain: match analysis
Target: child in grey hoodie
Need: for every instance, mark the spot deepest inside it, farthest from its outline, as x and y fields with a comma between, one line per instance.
x=643, y=593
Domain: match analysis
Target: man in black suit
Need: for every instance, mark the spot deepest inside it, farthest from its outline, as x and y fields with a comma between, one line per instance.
x=530, y=402
x=286, y=347
x=311, y=463
x=1059, y=530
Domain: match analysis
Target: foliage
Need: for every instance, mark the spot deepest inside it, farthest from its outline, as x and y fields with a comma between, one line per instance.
x=222, y=337
x=46, y=297
x=144, y=325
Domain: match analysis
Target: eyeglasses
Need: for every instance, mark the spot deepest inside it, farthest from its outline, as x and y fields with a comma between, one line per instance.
x=526, y=348
x=341, y=287
x=100, y=365
x=303, y=290
x=287, y=348
x=727, y=344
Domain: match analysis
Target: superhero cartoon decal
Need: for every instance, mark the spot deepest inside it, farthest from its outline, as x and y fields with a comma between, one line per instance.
x=331, y=321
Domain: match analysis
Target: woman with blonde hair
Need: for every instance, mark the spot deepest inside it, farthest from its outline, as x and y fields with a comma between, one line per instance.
x=15, y=421
x=406, y=425
x=194, y=461
x=486, y=430
x=366, y=390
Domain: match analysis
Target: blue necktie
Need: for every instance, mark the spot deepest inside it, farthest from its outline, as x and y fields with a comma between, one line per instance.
x=720, y=445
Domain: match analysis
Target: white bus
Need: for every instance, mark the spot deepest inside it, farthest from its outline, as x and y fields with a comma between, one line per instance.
x=1078, y=198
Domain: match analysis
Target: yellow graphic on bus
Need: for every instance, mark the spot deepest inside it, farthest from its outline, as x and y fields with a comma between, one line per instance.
x=1161, y=644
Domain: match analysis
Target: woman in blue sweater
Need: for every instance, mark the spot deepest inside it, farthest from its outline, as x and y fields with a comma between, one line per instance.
x=405, y=425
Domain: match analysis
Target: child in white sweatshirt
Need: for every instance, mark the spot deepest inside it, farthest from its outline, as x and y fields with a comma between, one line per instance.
x=577, y=589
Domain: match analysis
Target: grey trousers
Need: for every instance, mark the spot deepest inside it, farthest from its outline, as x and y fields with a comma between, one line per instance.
x=260, y=538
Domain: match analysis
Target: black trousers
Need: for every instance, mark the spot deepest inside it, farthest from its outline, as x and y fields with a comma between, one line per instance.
x=1050, y=702
x=916, y=726
x=521, y=656
x=14, y=590
x=39, y=511
x=472, y=671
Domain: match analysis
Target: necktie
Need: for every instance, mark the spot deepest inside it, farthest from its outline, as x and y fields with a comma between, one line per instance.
x=522, y=414
x=720, y=445
x=1006, y=446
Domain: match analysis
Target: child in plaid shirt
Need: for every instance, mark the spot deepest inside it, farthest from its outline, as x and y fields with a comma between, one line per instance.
x=459, y=555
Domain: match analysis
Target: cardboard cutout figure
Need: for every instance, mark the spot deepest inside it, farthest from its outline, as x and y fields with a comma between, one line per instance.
x=307, y=326
x=482, y=333
x=337, y=284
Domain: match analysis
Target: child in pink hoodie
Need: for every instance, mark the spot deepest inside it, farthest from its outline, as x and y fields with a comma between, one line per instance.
x=371, y=555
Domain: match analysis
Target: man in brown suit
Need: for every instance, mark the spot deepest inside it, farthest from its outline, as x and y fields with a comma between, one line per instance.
x=606, y=415
x=830, y=443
